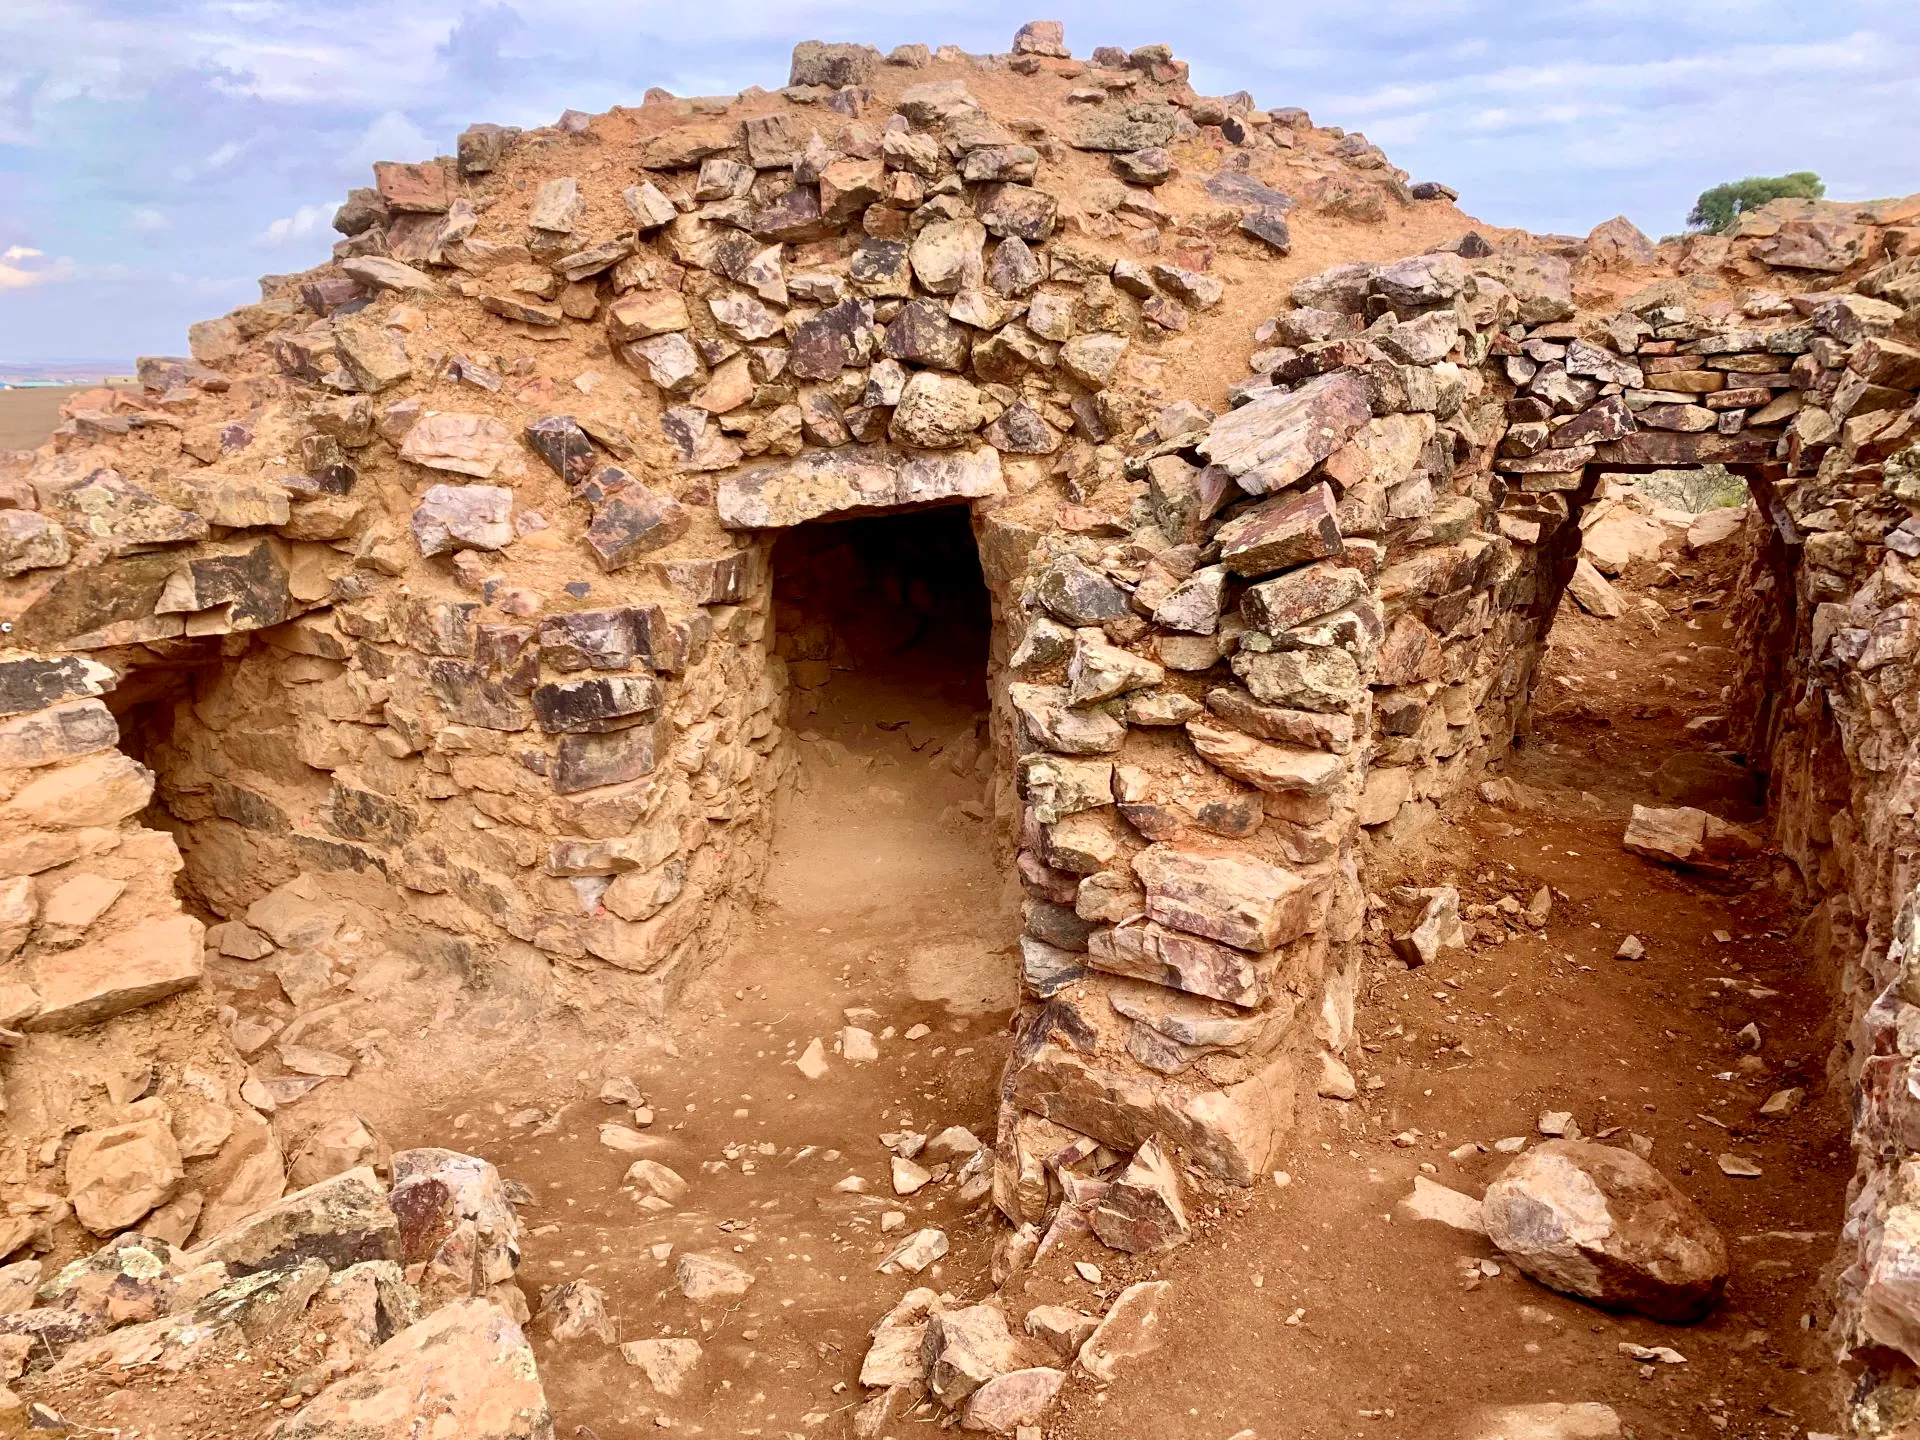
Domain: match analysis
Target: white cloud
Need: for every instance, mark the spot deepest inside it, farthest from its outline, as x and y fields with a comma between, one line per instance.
x=221, y=157
x=149, y=221
x=308, y=220
x=21, y=268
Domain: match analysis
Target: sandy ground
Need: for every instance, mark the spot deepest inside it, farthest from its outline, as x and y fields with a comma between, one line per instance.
x=27, y=417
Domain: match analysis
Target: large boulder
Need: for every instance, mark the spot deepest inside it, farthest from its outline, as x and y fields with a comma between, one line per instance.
x=1686, y=836
x=1605, y=1226
x=342, y=1221
x=467, y=1366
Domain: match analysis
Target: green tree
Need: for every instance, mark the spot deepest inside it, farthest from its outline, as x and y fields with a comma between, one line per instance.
x=1719, y=208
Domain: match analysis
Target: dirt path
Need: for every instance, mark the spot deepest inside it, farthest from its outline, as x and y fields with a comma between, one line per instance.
x=766, y=1151
x=1343, y=1318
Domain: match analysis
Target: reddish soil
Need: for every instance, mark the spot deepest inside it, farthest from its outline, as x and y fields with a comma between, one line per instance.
x=1348, y=1319
x=889, y=802
x=1340, y=1317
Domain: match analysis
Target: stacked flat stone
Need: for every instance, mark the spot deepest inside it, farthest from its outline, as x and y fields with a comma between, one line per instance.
x=503, y=633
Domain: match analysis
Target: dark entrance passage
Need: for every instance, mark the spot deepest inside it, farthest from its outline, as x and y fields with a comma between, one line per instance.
x=883, y=621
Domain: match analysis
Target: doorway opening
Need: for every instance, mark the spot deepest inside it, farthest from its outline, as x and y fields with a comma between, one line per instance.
x=884, y=623
x=1644, y=671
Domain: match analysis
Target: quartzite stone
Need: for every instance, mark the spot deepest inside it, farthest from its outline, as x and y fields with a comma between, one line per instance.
x=1278, y=770
x=964, y=1349
x=1288, y=530
x=1149, y=951
x=1142, y=1211
x=599, y=704
x=585, y=762
x=854, y=479
x=1272, y=442
x=839, y=336
x=563, y=444
x=451, y=516
x=1324, y=680
x=1016, y=211
x=1137, y=127
x=1079, y=594
x=1234, y=899
x=467, y=1364
x=1132, y=1328
x=1604, y=1225
x=342, y=1221
x=1270, y=722
x=634, y=521
x=125, y=971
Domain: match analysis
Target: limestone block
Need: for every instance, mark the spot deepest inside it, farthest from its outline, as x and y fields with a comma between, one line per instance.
x=116, y=1175
x=119, y=973
x=98, y=790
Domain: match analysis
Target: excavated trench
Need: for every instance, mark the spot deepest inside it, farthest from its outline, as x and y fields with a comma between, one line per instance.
x=620, y=809
x=1350, y=1318
x=884, y=910
x=885, y=913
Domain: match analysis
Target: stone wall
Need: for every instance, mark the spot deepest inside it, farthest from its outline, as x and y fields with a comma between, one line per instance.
x=444, y=572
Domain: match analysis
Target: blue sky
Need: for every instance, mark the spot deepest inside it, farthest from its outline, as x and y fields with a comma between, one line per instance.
x=156, y=155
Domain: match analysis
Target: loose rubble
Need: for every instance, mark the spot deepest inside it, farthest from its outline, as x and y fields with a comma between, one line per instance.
x=466, y=535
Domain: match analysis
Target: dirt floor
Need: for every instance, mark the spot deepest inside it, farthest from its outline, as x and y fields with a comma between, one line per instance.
x=1340, y=1316
x=1350, y=1320
x=1346, y=1319
x=789, y=1177
x=28, y=416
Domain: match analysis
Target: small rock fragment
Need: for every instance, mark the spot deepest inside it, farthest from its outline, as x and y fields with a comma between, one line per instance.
x=1436, y=1202
x=667, y=1364
x=915, y=1253
x=1130, y=1329
x=709, y=1277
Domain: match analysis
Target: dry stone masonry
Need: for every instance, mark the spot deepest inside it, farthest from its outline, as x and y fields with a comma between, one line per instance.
x=438, y=583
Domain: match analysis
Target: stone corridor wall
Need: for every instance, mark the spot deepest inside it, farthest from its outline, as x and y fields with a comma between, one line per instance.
x=448, y=562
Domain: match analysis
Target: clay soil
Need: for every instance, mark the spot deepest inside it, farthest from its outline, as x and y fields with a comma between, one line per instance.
x=27, y=417
x=1306, y=1309
x=1319, y=1311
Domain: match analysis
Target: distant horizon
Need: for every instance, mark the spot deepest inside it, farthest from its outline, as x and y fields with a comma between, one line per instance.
x=12, y=371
